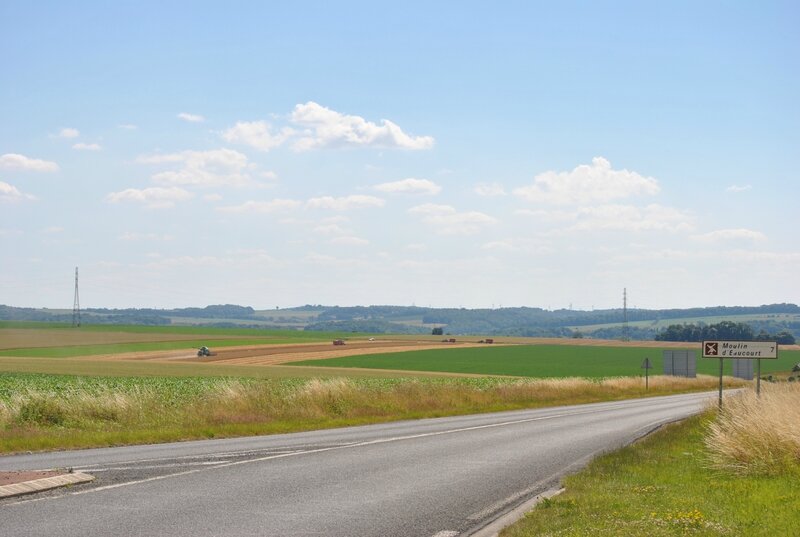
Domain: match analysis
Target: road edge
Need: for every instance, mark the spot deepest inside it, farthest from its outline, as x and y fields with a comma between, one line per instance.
x=47, y=483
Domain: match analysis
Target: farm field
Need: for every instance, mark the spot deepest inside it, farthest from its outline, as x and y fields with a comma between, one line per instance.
x=539, y=361
x=62, y=341
x=663, y=323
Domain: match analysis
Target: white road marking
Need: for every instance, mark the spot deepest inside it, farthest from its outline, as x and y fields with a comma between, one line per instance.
x=151, y=467
x=445, y=533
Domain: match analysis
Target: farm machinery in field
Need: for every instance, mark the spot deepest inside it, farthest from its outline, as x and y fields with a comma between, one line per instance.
x=205, y=351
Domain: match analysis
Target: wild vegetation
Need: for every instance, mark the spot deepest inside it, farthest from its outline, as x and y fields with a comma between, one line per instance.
x=758, y=435
x=52, y=412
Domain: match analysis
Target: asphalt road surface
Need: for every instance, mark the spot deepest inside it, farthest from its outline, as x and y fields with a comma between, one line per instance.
x=436, y=477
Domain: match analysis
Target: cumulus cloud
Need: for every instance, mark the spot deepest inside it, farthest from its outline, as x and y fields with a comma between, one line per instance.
x=14, y=161
x=68, y=133
x=489, y=189
x=324, y=127
x=191, y=118
x=410, y=186
x=218, y=167
x=152, y=198
x=10, y=194
x=345, y=203
x=446, y=220
x=653, y=217
x=256, y=134
x=722, y=235
x=737, y=188
x=587, y=183
x=349, y=241
x=87, y=147
x=270, y=206
x=329, y=229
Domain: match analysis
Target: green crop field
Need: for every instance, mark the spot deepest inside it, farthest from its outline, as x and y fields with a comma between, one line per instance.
x=537, y=361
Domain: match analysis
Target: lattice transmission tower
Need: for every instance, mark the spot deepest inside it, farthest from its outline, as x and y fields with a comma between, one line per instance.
x=76, y=304
x=625, y=335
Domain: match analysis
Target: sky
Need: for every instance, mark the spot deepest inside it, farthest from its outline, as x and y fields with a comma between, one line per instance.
x=443, y=154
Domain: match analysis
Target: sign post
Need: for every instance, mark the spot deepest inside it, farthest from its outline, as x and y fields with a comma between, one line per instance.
x=754, y=350
x=646, y=365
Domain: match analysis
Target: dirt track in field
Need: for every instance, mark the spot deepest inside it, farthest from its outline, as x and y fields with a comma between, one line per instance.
x=285, y=353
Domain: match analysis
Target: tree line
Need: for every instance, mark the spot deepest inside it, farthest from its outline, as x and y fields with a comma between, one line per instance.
x=722, y=330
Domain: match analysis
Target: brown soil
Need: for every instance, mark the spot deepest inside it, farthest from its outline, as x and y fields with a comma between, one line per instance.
x=12, y=478
x=283, y=353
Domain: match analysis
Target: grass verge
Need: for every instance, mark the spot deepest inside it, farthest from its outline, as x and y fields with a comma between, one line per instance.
x=58, y=411
x=670, y=484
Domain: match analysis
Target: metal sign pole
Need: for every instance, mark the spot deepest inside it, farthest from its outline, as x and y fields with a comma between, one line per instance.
x=647, y=379
x=720, y=383
x=758, y=380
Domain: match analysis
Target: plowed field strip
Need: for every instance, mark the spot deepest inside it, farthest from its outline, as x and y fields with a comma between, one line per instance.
x=282, y=353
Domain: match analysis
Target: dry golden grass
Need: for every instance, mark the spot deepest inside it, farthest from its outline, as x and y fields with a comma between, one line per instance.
x=146, y=411
x=758, y=436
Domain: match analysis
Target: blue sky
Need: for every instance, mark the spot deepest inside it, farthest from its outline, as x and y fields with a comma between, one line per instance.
x=436, y=153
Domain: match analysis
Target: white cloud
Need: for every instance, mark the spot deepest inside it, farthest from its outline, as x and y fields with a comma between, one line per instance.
x=729, y=235
x=218, y=167
x=349, y=241
x=410, y=186
x=152, y=198
x=504, y=244
x=737, y=188
x=212, y=197
x=191, y=118
x=261, y=206
x=327, y=128
x=10, y=193
x=587, y=184
x=15, y=161
x=87, y=147
x=53, y=229
x=630, y=218
x=329, y=229
x=345, y=203
x=489, y=189
x=127, y=127
x=68, y=133
x=550, y=216
x=447, y=221
x=269, y=175
x=256, y=134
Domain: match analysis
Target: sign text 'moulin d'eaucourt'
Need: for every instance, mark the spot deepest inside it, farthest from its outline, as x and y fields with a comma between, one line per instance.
x=740, y=349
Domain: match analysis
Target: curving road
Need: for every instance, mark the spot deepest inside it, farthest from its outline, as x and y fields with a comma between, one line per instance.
x=436, y=477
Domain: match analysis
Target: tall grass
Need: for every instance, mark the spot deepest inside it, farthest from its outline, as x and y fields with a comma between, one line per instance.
x=49, y=411
x=758, y=436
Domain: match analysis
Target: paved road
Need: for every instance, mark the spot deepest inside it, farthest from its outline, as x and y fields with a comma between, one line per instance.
x=445, y=477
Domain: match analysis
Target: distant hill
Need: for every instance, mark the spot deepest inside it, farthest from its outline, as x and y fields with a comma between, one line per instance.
x=642, y=324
